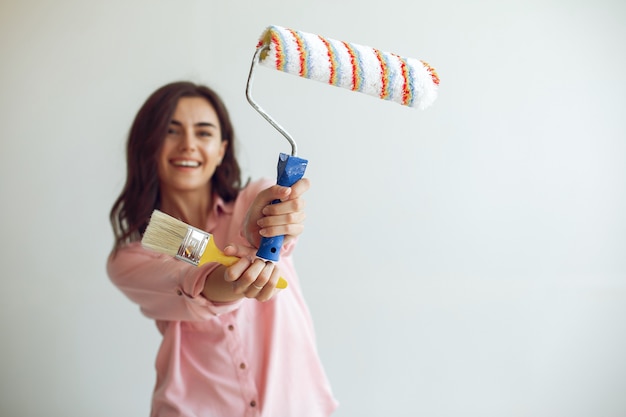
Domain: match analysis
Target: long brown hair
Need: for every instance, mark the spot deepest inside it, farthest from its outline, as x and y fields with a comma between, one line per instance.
x=140, y=196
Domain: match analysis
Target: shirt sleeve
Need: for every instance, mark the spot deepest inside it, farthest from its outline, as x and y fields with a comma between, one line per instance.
x=164, y=288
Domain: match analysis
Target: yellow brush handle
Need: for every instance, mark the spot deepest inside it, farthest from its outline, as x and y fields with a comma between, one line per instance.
x=213, y=254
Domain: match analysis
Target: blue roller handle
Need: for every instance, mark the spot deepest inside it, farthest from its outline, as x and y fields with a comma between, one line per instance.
x=290, y=170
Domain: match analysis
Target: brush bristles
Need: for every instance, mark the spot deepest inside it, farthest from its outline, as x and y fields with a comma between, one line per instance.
x=164, y=233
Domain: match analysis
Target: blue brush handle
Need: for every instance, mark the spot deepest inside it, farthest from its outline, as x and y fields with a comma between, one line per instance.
x=290, y=170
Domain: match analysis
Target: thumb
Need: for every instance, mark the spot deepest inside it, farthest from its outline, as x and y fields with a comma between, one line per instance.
x=231, y=250
x=275, y=192
x=239, y=251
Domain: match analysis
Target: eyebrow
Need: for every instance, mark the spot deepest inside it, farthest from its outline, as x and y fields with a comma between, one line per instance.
x=199, y=124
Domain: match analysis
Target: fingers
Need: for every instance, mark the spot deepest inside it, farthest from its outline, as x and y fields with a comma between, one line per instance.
x=289, y=224
x=295, y=205
x=289, y=231
x=299, y=188
x=264, y=287
x=254, y=278
x=286, y=217
x=283, y=218
x=279, y=192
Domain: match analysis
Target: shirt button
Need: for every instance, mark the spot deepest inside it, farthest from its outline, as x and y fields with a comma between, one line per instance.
x=252, y=403
x=231, y=327
x=242, y=365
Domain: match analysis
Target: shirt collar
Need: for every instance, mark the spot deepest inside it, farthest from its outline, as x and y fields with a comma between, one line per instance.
x=220, y=207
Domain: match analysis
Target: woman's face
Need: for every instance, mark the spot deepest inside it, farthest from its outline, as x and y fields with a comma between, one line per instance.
x=192, y=149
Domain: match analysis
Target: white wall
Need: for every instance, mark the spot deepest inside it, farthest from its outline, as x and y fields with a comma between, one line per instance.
x=468, y=260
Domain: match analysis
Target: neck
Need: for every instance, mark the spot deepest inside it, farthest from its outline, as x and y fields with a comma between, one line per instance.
x=192, y=208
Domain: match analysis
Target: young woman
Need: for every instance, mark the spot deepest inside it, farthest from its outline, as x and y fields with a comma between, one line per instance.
x=233, y=345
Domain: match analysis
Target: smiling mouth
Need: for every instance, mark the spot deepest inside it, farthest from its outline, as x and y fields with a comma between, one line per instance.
x=186, y=164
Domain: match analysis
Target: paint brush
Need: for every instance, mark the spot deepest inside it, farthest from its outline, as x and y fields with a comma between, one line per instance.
x=168, y=235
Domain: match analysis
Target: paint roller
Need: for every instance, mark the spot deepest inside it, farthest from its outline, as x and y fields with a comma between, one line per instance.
x=407, y=81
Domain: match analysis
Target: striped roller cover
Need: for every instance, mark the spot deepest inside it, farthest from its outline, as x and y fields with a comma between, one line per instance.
x=407, y=81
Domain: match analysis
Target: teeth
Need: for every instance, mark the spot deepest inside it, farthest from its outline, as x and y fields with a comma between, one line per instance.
x=186, y=163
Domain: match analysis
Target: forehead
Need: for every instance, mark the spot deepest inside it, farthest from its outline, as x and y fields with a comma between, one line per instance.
x=194, y=110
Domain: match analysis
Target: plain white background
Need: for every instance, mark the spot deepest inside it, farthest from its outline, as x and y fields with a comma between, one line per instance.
x=466, y=260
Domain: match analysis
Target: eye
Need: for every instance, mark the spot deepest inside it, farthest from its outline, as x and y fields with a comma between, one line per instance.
x=172, y=131
x=205, y=134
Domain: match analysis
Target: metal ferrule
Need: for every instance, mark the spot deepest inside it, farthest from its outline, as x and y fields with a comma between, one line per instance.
x=193, y=246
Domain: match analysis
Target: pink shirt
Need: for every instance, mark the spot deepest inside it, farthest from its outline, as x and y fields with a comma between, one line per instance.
x=245, y=358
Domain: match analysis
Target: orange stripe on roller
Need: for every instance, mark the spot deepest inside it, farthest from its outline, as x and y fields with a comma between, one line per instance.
x=332, y=62
x=280, y=54
x=353, y=62
x=433, y=73
x=406, y=93
x=301, y=52
x=384, y=75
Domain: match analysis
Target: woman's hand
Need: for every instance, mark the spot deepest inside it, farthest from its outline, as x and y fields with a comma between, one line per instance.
x=284, y=218
x=251, y=277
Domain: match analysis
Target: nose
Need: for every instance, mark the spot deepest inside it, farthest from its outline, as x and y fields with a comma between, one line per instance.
x=187, y=142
